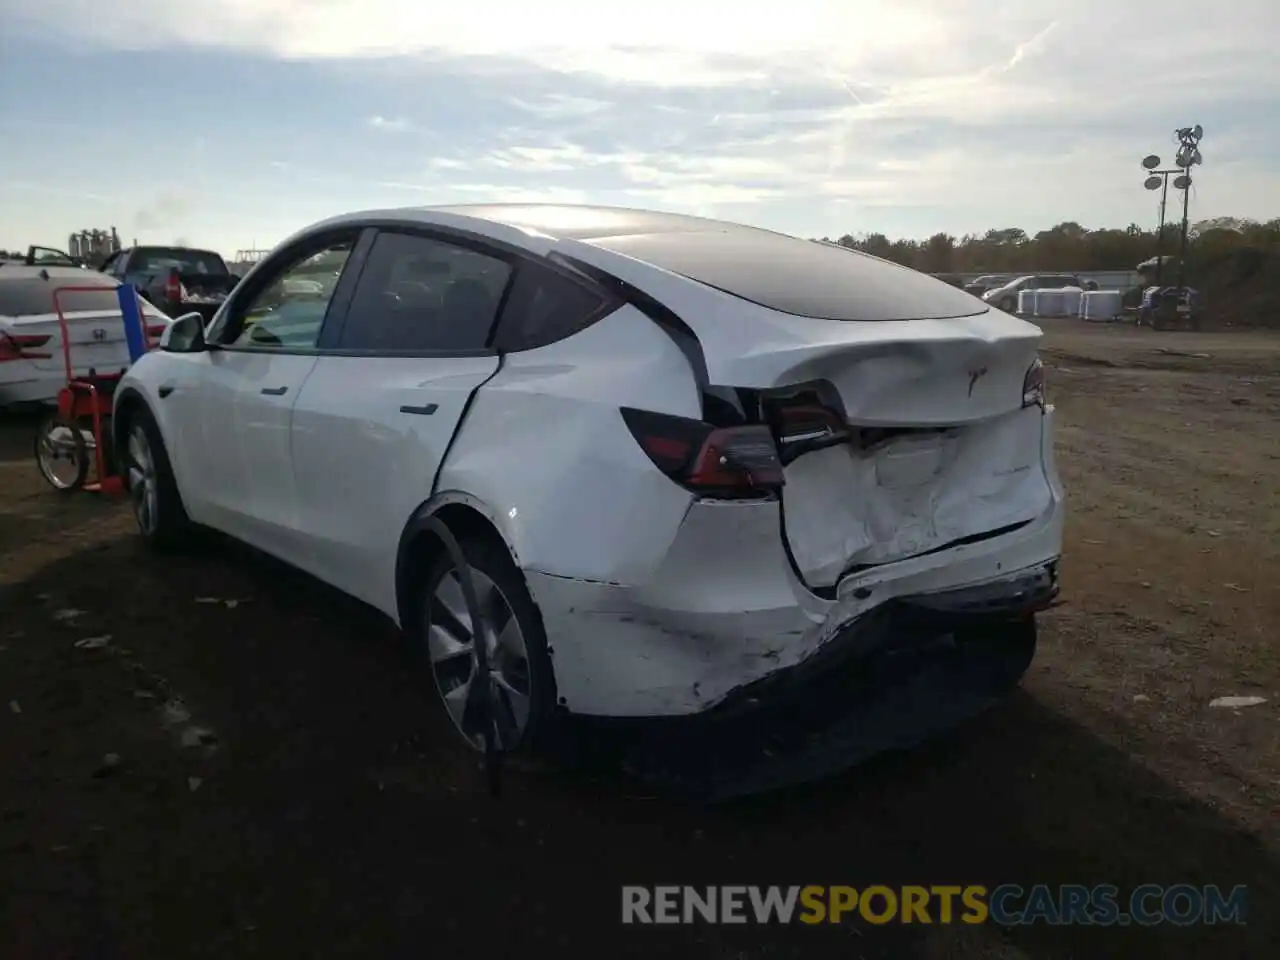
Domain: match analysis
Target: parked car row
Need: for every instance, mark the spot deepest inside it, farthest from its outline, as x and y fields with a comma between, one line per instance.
x=172, y=281
x=698, y=471
x=1005, y=296
x=33, y=362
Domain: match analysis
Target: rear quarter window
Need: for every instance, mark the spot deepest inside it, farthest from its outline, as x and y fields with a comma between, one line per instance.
x=544, y=307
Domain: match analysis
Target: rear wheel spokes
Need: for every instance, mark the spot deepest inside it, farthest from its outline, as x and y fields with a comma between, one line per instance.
x=451, y=647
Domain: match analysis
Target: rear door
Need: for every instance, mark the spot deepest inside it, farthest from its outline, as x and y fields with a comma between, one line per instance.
x=376, y=416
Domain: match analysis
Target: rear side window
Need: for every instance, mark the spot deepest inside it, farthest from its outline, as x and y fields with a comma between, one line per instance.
x=30, y=297
x=423, y=295
x=544, y=307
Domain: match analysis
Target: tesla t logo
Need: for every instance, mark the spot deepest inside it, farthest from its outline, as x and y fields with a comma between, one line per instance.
x=975, y=376
x=99, y=335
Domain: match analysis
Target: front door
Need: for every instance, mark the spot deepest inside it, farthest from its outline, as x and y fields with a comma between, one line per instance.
x=264, y=349
x=246, y=434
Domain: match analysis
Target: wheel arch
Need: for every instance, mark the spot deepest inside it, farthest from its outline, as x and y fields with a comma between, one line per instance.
x=127, y=403
x=467, y=517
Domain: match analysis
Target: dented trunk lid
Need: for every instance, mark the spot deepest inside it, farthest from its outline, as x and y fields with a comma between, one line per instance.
x=923, y=352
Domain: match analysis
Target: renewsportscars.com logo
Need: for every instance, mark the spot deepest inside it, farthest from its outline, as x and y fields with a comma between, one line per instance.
x=1005, y=905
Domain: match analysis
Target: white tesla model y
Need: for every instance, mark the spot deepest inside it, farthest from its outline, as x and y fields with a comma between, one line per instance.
x=698, y=468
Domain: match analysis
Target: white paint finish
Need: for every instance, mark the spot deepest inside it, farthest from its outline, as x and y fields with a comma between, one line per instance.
x=546, y=447
x=245, y=474
x=39, y=379
x=263, y=425
x=655, y=603
x=363, y=467
x=911, y=493
x=179, y=418
x=628, y=652
x=892, y=373
x=725, y=607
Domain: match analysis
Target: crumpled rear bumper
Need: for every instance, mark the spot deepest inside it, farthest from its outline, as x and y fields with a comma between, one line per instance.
x=891, y=679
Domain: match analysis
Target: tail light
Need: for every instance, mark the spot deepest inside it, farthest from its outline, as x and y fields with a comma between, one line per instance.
x=22, y=347
x=1033, y=385
x=801, y=428
x=155, y=330
x=173, y=287
x=725, y=462
x=803, y=423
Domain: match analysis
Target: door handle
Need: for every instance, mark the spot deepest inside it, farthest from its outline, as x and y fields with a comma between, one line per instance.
x=275, y=391
x=426, y=411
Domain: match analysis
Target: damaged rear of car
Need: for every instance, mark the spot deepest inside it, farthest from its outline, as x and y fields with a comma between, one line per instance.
x=861, y=514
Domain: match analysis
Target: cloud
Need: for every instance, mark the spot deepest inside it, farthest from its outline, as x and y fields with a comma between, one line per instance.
x=559, y=106
x=389, y=125
x=814, y=115
x=501, y=193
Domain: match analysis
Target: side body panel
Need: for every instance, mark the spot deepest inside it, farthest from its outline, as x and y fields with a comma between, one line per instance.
x=545, y=446
x=369, y=434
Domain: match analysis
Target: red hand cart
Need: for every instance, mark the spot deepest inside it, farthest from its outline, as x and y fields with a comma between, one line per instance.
x=82, y=421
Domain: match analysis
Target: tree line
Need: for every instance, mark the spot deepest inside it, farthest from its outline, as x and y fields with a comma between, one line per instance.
x=1068, y=246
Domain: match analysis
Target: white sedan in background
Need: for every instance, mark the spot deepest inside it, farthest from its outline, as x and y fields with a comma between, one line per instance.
x=698, y=469
x=32, y=364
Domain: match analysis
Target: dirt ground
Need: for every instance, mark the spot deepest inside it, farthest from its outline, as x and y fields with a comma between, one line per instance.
x=306, y=802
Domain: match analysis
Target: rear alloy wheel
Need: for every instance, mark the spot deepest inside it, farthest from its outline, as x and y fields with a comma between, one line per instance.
x=157, y=505
x=520, y=691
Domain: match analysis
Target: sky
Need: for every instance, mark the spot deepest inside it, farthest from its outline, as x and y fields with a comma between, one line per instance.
x=236, y=125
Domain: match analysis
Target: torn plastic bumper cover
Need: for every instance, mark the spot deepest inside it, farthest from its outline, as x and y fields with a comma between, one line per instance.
x=893, y=677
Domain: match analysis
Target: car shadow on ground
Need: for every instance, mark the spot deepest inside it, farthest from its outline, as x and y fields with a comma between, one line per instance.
x=17, y=435
x=338, y=817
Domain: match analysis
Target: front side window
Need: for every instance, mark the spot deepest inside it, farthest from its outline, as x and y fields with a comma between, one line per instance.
x=423, y=295
x=287, y=313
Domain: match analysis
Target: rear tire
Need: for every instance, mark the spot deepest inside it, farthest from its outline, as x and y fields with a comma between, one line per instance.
x=522, y=684
x=148, y=476
x=1005, y=653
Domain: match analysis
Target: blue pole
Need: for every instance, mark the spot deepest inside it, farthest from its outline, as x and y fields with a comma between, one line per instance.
x=134, y=333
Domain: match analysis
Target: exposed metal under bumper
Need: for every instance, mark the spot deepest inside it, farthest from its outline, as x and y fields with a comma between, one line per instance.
x=905, y=671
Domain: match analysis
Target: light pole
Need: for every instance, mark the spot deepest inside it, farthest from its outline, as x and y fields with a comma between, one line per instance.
x=1158, y=180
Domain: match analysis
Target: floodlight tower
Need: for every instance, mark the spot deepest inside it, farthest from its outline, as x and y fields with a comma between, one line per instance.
x=1188, y=156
